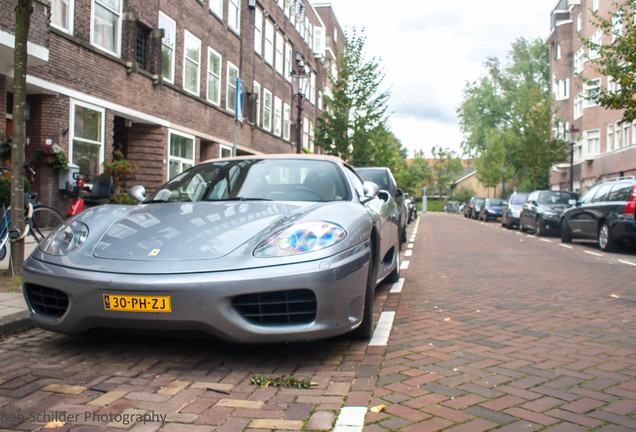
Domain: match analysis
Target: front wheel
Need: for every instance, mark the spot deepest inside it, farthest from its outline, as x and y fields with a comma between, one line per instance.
x=566, y=236
x=44, y=221
x=365, y=329
x=539, y=229
x=605, y=240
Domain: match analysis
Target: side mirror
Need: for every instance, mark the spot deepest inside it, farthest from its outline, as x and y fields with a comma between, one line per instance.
x=573, y=202
x=138, y=193
x=534, y=203
x=399, y=193
x=371, y=190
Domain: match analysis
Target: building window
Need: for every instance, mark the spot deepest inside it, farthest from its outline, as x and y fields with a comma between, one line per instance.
x=634, y=132
x=180, y=153
x=595, y=5
x=597, y=41
x=87, y=140
x=269, y=42
x=579, y=23
x=617, y=28
x=230, y=92
x=626, y=128
x=288, y=62
x=592, y=90
x=234, y=15
x=578, y=106
x=278, y=116
x=258, y=32
x=312, y=88
x=225, y=151
x=306, y=143
x=286, y=122
x=557, y=54
x=62, y=15
x=280, y=55
x=593, y=141
x=106, y=31
x=610, y=137
x=191, y=63
x=267, y=110
x=214, y=77
x=257, y=103
x=579, y=58
x=142, y=47
x=167, y=46
x=216, y=7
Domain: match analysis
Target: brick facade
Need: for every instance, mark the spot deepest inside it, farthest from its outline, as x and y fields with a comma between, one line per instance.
x=140, y=108
x=603, y=146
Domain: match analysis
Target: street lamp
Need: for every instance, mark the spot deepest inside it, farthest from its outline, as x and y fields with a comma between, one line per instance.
x=300, y=81
x=572, y=135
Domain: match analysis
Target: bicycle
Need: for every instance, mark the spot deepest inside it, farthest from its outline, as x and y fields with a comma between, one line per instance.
x=39, y=222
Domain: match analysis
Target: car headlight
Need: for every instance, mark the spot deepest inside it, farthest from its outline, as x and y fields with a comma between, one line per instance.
x=66, y=239
x=515, y=213
x=301, y=238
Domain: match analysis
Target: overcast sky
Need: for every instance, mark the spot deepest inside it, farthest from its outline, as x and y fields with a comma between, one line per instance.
x=432, y=49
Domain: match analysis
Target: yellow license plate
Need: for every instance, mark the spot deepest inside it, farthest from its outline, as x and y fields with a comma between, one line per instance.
x=128, y=303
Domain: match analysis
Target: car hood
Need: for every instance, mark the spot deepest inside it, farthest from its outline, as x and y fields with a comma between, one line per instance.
x=188, y=231
x=556, y=208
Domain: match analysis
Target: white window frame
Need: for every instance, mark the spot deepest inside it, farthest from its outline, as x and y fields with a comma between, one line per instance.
x=172, y=47
x=597, y=39
x=73, y=138
x=179, y=159
x=70, y=14
x=626, y=128
x=579, y=23
x=557, y=54
x=577, y=109
x=279, y=59
x=225, y=151
x=610, y=137
x=617, y=28
x=595, y=5
x=286, y=122
x=218, y=75
x=258, y=32
x=256, y=89
x=234, y=15
x=268, y=54
x=278, y=116
x=287, y=73
x=579, y=60
x=593, y=140
x=312, y=88
x=230, y=87
x=187, y=36
x=267, y=110
x=618, y=135
x=117, y=41
x=216, y=8
x=590, y=88
x=633, y=142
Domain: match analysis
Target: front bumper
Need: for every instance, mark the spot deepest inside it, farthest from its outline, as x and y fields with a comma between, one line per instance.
x=204, y=301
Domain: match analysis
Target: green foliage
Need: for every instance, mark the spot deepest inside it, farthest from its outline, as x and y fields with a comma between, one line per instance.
x=53, y=156
x=351, y=126
x=435, y=204
x=617, y=60
x=507, y=117
x=120, y=168
x=281, y=381
x=446, y=167
x=464, y=193
x=5, y=190
x=5, y=148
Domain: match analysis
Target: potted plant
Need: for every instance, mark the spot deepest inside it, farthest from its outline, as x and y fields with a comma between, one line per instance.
x=53, y=156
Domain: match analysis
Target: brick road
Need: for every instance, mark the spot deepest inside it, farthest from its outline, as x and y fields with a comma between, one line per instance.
x=493, y=331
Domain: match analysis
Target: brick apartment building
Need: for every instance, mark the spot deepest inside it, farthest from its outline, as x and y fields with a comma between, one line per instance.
x=603, y=146
x=157, y=80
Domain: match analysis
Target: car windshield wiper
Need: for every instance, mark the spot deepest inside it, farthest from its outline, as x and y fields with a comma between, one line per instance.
x=238, y=198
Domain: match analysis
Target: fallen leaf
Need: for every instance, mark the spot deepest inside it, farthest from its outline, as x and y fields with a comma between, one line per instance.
x=54, y=424
x=377, y=408
x=447, y=319
x=614, y=296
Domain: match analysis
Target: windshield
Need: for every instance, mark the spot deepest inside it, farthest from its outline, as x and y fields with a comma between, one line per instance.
x=378, y=177
x=495, y=202
x=519, y=199
x=256, y=179
x=555, y=198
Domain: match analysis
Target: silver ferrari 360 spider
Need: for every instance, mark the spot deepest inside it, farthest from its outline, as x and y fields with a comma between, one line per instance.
x=248, y=249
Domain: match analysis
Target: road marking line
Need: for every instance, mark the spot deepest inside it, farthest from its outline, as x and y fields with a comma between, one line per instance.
x=350, y=419
x=566, y=246
x=383, y=329
x=410, y=246
x=546, y=241
x=627, y=262
x=408, y=252
x=412, y=239
x=396, y=288
x=404, y=265
x=593, y=253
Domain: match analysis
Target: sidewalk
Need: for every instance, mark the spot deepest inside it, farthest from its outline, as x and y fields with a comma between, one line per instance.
x=13, y=309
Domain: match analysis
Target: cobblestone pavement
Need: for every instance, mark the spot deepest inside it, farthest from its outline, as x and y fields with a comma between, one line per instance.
x=491, y=330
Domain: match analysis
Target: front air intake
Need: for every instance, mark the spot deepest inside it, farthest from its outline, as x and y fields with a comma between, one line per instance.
x=277, y=308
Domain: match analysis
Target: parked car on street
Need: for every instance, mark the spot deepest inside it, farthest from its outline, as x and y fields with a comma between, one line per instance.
x=511, y=211
x=476, y=209
x=384, y=179
x=249, y=249
x=605, y=213
x=542, y=210
x=491, y=210
x=411, y=207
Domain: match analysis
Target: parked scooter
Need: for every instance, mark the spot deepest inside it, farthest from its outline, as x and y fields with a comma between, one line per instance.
x=77, y=204
x=100, y=193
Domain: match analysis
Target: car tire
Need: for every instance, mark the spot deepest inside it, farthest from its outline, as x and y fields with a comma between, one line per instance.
x=539, y=229
x=605, y=240
x=365, y=329
x=566, y=236
x=394, y=276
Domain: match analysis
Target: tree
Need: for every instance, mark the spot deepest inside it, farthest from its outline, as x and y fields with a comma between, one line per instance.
x=418, y=174
x=617, y=60
x=446, y=167
x=511, y=107
x=23, y=11
x=357, y=107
